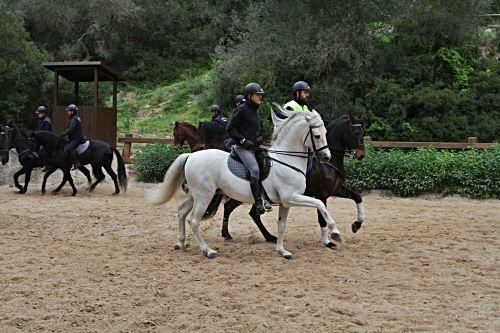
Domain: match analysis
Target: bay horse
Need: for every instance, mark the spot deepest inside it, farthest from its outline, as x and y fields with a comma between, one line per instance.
x=99, y=155
x=5, y=139
x=212, y=134
x=30, y=159
x=207, y=175
x=184, y=131
x=325, y=179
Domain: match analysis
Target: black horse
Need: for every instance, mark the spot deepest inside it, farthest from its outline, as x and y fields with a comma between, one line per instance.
x=30, y=159
x=5, y=139
x=212, y=134
x=99, y=155
x=325, y=179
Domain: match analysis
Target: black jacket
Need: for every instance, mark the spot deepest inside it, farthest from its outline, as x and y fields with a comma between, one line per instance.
x=74, y=131
x=245, y=123
x=45, y=124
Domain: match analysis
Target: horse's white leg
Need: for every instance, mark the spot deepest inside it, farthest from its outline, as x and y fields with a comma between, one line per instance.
x=305, y=201
x=361, y=212
x=283, y=214
x=200, y=206
x=183, y=209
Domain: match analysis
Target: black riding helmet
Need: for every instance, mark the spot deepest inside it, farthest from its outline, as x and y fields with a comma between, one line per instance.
x=215, y=108
x=239, y=99
x=41, y=109
x=72, y=107
x=253, y=88
x=300, y=85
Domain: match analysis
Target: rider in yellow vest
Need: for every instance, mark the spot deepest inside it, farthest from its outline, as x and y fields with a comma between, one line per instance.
x=301, y=92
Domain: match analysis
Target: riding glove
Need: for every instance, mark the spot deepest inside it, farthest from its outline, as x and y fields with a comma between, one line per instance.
x=248, y=144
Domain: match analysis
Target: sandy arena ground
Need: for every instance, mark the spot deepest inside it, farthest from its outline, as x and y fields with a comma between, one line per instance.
x=98, y=263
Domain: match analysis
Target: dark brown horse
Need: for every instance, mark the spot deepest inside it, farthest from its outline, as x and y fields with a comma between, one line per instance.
x=325, y=179
x=183, y=132
x=5, y=141
x=208, y=135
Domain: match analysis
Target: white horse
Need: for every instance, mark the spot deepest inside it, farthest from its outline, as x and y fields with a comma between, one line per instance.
x=206, y=173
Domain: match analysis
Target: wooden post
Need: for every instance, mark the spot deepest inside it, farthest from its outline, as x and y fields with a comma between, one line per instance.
x=56, y=88
x=127, y=149
x=77, y=93
x=115, y=92
x=472, y=140
x=96, y=104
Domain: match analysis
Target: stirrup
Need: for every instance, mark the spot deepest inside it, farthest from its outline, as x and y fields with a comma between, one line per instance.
x=267, y=206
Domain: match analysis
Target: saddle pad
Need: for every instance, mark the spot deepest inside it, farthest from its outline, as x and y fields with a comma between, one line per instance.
x=237, y=168
x=83, y=147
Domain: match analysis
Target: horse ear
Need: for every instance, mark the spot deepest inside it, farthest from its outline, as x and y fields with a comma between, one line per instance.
x=308, y=118
x=176, y=123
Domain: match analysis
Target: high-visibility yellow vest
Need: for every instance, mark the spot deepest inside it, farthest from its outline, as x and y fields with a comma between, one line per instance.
x=295, y=106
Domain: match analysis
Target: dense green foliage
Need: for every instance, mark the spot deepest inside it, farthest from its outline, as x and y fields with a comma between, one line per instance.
x=471, y=173
x=22, y=79
x=416, y=70
x=154, y=160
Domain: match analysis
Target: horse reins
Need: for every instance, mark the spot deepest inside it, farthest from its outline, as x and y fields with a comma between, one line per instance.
x=301, y=154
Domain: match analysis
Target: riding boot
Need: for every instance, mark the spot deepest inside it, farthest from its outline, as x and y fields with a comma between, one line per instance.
x=257, y=196
x=76, y=162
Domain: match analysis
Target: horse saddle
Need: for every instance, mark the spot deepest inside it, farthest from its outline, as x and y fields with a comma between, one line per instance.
x=238, y=168
x=82, y=147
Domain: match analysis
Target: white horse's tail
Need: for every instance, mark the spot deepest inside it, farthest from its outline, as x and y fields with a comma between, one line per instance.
x=174, y=178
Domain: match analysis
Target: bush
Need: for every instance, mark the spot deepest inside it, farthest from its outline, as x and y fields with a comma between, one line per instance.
x=154, y=160
x=471, y=173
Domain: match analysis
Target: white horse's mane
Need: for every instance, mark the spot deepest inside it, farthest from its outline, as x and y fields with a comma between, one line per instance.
x=282, y=124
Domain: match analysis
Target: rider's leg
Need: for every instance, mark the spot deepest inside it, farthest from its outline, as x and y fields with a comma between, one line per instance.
x=72, y=153
x=248, y=159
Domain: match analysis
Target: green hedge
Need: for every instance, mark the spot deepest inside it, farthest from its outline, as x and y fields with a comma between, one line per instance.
x=472, y=173
x=153, y=161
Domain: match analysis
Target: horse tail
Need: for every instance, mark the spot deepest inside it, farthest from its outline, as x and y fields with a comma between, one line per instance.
x=122, y=173
x=213, y=206
x=174, y=178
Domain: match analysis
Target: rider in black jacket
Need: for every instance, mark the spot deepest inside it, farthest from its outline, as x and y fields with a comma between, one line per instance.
x=74, y=133
x=245, y=128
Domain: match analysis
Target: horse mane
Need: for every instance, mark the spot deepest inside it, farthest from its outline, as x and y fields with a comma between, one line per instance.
x=185, y=123
x=52, y=140
x=291, y=117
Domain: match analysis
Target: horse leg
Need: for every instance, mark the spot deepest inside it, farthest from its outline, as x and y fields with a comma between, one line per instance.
x=45, y=177
x=229, y=207
x=305, y=201
x=344, y=192
x=183, y=210
x=27, y=179
x=325, y=235
x=70, y=180
x=283, y=214
x=99, y=175
x=112, y=174
x=22, y=171
x=86, y=173
x=199, y=209
x=256, y=218
x=63, y=182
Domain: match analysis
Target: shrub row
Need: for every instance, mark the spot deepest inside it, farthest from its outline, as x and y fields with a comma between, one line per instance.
x=471, y=173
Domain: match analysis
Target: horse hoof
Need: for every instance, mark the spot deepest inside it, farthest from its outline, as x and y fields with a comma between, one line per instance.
x=178, y=247
x=288, y=256
x=211, y=254
x=355, y=226
x=331, y=245
x=271, y=239
x=228, y=238
x=336, y=237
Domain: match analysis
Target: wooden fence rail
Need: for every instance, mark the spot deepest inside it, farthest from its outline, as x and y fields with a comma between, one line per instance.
x=471, y=143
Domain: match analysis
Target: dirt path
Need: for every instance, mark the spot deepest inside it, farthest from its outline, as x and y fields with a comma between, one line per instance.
x=97, y=263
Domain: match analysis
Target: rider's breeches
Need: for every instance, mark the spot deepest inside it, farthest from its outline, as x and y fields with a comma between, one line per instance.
x=248, y=159
x=71, y=146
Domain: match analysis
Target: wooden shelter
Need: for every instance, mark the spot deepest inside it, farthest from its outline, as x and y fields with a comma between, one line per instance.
x=98, y=121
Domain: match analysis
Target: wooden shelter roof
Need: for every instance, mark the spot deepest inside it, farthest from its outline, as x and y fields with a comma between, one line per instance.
x=83, y=71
